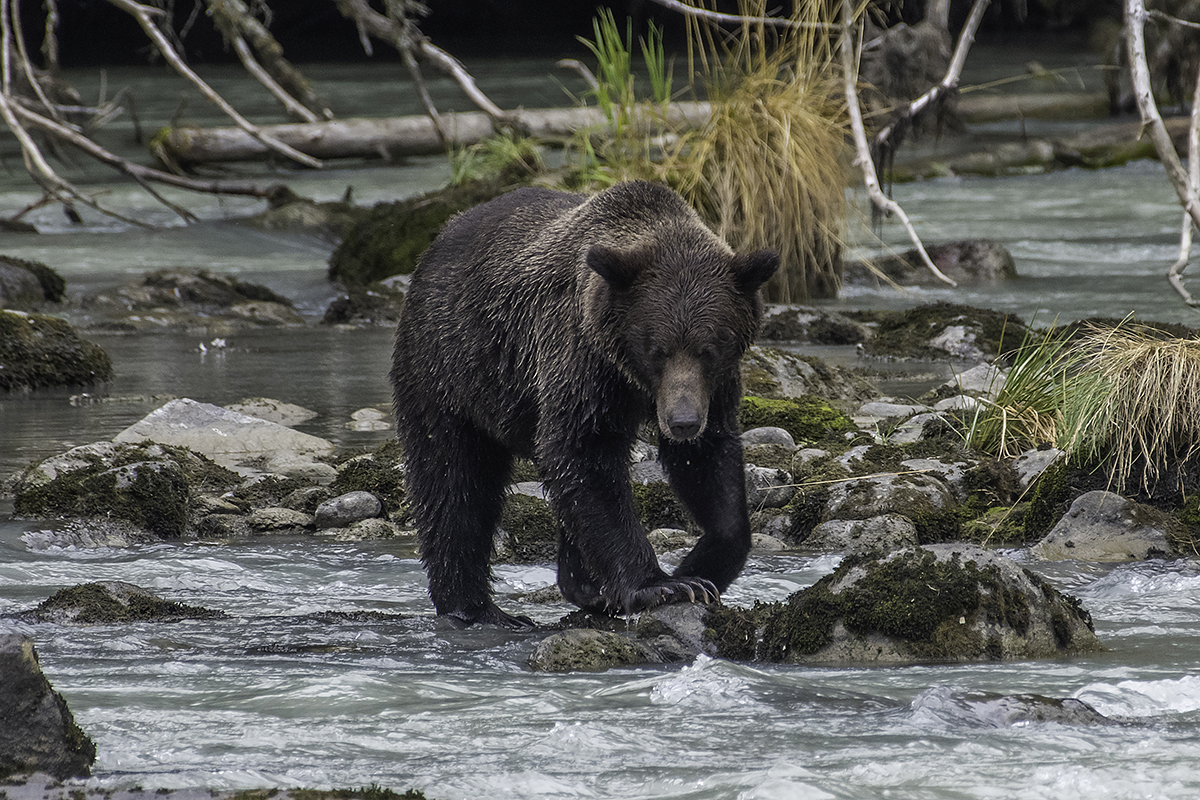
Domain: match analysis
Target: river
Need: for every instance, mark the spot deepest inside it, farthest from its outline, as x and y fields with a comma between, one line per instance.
x=297, y=689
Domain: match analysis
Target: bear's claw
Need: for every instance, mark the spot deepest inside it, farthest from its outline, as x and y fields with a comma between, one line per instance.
x=670, y=590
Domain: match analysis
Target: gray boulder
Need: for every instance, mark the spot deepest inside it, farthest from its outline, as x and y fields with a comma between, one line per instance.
x=767, y=487
x=277, y=411
x=39, y=733
x=146, y=484
x=1103, y=526
x=883, y=533
x=245, y=444
x=346, y=509
x=1032, y=463
x=913, y=495
x=777, y=374
x=768, y=435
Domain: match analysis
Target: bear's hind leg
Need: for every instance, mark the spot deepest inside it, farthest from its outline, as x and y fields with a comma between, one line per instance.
x=457, y=476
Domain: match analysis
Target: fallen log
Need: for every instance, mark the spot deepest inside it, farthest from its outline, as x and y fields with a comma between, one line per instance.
x=387, y=138
x=1104, y=146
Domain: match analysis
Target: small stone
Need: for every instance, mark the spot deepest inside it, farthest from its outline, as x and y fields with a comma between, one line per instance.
x=276, y=520
x=768, y=435
x=347, y=509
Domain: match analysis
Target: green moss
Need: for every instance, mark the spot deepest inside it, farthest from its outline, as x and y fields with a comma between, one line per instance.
x=391, y=238
x=150, y=485
x=524, y=470
x=1047, y=500
x=37, y=351
x=151, y=495
x=531, y=527
x=658, y=507
x=806, y=418
x=734, y=631
x=97, y=605
x=1000, y=526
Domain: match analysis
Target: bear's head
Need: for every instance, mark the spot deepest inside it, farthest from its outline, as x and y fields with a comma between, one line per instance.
x=678, y=317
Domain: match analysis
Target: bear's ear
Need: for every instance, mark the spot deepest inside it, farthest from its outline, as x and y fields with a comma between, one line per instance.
x=619, y=267
x=752, y=270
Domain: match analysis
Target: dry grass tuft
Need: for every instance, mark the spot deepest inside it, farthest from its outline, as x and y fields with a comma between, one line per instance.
x=1136, y=401
x=769, y=169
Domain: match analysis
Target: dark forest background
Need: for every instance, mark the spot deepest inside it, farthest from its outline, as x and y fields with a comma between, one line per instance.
x=93, y=32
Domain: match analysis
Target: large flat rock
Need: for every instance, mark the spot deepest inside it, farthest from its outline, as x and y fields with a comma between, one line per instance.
x=234, y=440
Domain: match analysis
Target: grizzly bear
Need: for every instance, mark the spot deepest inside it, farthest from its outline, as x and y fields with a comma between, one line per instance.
x=550, y=325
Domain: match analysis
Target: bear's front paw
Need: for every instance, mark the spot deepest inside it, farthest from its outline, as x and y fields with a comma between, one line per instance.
x=666, y=590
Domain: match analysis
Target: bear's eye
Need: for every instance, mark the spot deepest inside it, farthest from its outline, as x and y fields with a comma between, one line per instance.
x=657, y=354
x=709, y=353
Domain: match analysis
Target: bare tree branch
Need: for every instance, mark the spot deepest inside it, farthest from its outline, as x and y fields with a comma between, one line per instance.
x=371, y=23
x=1175, y=273
x=143, y=14
x=863, y=149
x=737, y=19
x=239, y=27
x=137, y=171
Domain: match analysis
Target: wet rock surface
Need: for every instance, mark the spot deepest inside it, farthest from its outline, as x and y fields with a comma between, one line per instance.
x=38, y=351
x=39, y=733
x=1104, y=526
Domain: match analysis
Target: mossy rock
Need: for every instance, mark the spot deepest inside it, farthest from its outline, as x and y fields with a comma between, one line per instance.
x=114, y=602
x=914, y=333
x=37, y=351
x=806, y=418
x=390, y=239
x=588, y=650
x=657, y=507
x=935, y=603
x=380, y=472
x=531, y=527
x=149, y=485
x=1000, y=526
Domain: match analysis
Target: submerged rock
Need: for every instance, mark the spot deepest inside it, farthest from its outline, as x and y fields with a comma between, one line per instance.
x=971, y=262
x=1103, y=526
x=588, y=650
x=38, y=351
x=112, y=603
x=190, y=298
x=39, y=733
x=28, y=284
x=955, y=602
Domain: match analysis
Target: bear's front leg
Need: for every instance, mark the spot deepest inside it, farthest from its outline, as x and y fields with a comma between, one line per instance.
x=708, y=476
x=605, y=560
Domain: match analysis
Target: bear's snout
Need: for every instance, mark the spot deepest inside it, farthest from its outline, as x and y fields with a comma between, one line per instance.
x=682, y=399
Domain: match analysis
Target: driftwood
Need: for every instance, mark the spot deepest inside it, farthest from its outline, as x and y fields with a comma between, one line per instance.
x=393, y=137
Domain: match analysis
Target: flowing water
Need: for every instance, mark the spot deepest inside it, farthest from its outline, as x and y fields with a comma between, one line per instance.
x=298, y=688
